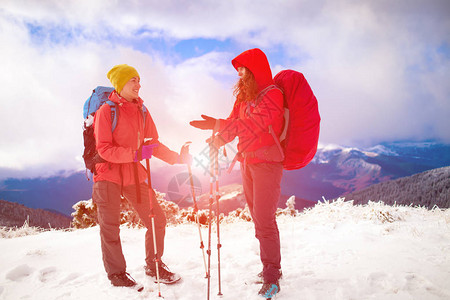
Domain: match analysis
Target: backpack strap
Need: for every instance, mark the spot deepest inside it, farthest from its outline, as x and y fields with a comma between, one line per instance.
x=260, y=96
x=277, y=141
x=144, y=112
x=114, y=114
x=264, y=92
x=285, y=114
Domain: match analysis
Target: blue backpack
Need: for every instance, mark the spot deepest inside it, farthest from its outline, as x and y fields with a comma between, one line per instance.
x=98, y=97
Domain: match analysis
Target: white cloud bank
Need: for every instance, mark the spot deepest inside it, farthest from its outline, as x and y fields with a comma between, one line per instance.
x=379, y=69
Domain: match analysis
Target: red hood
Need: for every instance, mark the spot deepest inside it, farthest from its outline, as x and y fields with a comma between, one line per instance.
x=256, y=61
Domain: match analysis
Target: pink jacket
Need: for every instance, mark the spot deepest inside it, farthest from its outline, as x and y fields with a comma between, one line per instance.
x=118, y=147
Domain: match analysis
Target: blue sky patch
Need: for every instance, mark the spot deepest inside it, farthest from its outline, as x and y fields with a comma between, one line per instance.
x=52, y=34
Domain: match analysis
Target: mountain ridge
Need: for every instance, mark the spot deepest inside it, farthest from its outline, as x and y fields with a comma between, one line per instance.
x=14, y=215
x=335, y=171
x=428, y=189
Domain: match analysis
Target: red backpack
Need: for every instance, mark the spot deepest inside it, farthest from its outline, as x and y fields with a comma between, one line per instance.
x=301, y=135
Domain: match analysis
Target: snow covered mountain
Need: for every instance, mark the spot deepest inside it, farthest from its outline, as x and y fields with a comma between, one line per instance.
x=337, y=170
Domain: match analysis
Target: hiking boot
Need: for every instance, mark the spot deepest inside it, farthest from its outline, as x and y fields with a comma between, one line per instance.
x=165, y=276
x=261, y=277
x=269, y=290
x=124, y=279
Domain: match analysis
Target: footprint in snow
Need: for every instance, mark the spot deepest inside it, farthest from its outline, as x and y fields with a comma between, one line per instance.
x=46, y=273
x=19, y=272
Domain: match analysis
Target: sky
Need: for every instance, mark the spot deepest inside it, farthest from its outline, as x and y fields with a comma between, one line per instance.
x=379, y=69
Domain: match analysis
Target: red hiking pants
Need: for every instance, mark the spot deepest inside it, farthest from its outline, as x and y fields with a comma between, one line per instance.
x=261, y=182
x=106, y=195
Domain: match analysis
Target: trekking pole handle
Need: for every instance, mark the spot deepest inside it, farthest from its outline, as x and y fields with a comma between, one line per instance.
x=187, y=144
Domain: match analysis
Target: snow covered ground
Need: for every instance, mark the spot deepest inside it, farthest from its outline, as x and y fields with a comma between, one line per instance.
x=333, y=251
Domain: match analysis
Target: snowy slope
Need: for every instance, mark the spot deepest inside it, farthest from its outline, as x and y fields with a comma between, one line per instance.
x=333, y=251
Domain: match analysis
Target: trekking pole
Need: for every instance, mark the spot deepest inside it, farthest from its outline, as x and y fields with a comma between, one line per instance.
x=217, y=196
x=191, y=180
x=152, y=216
x=211, y=200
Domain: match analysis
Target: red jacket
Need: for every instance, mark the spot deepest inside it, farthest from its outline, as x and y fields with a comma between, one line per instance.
x=250, y=120
x=118, y=147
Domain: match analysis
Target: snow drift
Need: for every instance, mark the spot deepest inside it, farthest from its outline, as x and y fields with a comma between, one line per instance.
x=333, y=251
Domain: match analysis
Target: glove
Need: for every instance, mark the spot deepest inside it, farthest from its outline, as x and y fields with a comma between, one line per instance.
x=144, y=152
x=185, y=157
x=207, y=123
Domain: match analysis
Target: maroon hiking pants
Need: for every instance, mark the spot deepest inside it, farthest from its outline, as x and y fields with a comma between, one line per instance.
x=106, y=195
x=261, y=184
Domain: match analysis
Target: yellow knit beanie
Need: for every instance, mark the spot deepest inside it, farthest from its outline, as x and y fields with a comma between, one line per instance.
x=119, y=75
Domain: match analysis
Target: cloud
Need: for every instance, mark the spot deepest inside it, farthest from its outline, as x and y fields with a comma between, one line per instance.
x=371, y=69
x=49, y=82
x=177, y=94
x=379, y=69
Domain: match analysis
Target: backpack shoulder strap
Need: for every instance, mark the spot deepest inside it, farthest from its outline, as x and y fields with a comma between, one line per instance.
x=264, y=92
x=261, y=94
x=114, y=114
x=144, y=112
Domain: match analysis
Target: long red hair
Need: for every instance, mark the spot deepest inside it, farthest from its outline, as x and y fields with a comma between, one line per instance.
x=246, y=89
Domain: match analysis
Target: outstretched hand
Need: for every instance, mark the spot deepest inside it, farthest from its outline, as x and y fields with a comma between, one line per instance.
x=185, y=157
x=206, y=123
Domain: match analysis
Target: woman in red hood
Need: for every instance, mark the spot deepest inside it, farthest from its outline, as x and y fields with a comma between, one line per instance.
x=257, y=119
x=121, y=173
